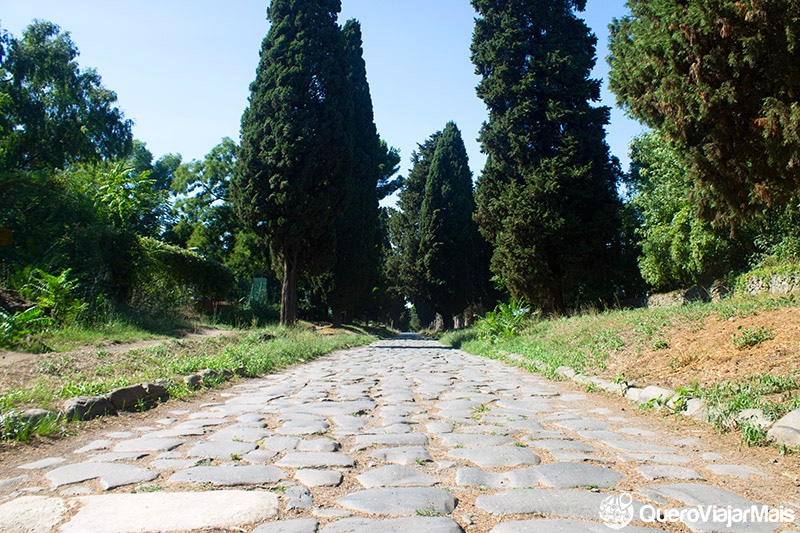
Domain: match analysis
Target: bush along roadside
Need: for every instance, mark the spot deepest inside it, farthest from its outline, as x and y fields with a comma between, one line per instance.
x=140, y=379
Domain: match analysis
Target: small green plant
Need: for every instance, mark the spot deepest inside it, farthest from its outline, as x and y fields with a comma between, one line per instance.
x=427, y=512
x=152, y=487
x=506, y=321
x=749, y=337
x=660, y=344
x=753, y=434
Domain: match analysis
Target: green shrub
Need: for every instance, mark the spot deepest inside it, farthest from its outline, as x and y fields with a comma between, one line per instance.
x=507, y=320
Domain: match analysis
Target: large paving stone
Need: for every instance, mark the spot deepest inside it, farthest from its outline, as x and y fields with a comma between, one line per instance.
x=467, y=440
x=400, y=501
x=240, y=433
x=318, y=478
x=298, y=525
x=362, y=442
x=171, y=511
x=32, y=514
x=552, y=445
x=42, y=463
x=148, y=444
x=497, y=456
x=653, y=472
x=395, y=476
x=229, y=475
x=572, y=475
x=637, y=447
x=555, y=502
x=111, y=474
x=744, y=472
x=220, y=450
x=402, y=455
x=545, y=525
x=316, y=460
x=433, y=524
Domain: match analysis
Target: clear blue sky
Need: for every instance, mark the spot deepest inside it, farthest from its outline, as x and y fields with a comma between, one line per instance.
x=182, y=68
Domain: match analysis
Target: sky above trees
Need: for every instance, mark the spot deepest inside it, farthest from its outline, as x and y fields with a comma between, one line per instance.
x=182, y=69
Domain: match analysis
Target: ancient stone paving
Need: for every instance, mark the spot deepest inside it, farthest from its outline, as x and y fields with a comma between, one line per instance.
x=403, y=435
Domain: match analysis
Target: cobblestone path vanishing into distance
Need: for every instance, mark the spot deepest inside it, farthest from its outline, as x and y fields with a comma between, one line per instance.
x=403, y=435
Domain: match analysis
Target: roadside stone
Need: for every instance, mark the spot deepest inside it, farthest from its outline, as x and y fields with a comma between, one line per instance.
x=298, y=525
x=497, y=456
x=87, y=407
x=260, y=456
x=404, y=455
x=297, y=497
x=111, y=474
x=754, y=416
x=134, y=396
x=786, y=431
x=192, y=381
x=318, y=478
x=35, y=415
x=32, y=514
x=433, y=524
x=395, y=476
x=171, y=511
x=400, y=501
x=316, y=460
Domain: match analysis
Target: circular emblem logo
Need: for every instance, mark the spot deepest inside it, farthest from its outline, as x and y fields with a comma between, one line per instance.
x=617, y=511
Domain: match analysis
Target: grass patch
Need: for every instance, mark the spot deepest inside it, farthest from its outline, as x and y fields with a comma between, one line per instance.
x=255, y=353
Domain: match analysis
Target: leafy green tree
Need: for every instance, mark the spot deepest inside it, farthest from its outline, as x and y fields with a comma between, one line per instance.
x=55, y=113
x=202, y=205
x=295, y=145
x=449, y=239
x=355, y=271
x=720, y=78
x=678, y=248
x=547, y=198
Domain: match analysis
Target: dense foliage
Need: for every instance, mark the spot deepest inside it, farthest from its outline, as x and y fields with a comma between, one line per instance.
x=721, y=79
x=547, y=198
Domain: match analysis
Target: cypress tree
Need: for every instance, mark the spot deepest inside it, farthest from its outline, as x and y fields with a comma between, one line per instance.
x=449, y=240
x=295, y=145
x=404, y=266
x=355, y=272
x=547, y=198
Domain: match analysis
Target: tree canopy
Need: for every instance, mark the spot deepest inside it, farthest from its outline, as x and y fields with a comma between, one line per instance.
x=54, y=113
x=721, y=78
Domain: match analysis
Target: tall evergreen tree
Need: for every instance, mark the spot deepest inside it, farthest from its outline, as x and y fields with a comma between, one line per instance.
x=547, y=198
x=721, y=78
x=295, y=145
x=355, y=271
x=404, y=266
x=449, y=239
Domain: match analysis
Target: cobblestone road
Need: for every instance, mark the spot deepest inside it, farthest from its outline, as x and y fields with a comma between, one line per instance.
x=404, y=435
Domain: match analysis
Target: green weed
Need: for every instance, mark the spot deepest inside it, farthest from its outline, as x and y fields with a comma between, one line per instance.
x=749, y=337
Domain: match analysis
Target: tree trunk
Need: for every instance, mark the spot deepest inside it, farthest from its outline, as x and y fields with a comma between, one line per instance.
x=289, y=291
x=336, y=318
x=447, y=322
